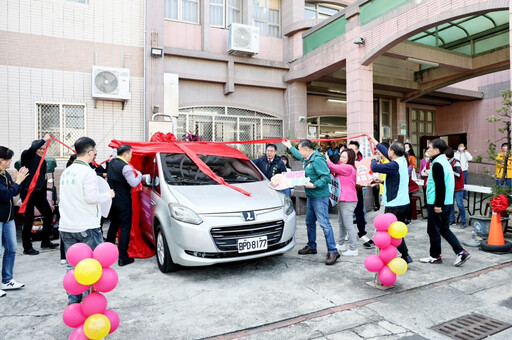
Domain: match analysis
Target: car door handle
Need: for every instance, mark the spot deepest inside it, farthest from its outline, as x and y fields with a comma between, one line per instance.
x=153, y=203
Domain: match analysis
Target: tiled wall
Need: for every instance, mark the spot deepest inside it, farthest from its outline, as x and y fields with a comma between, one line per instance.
x=47, y=50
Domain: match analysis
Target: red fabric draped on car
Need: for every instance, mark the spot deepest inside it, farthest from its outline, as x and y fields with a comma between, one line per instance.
x=140, y=247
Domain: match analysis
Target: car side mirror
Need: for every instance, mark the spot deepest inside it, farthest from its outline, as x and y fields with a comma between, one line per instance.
x=146, y=180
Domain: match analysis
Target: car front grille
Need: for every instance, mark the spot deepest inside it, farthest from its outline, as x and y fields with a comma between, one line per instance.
x=226, y=237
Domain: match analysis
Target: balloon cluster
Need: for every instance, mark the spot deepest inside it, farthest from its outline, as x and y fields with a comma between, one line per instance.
x=389, y=235
x=91, y=319
x=499, y=203
x=161, y=137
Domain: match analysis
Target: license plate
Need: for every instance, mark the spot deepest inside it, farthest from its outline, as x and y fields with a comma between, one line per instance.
x=246, y=245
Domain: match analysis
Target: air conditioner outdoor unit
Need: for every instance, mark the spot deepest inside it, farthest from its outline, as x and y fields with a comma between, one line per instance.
x=244, y=40
x=111, y=83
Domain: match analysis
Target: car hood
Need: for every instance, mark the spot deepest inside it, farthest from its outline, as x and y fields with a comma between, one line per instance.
x=208, y=199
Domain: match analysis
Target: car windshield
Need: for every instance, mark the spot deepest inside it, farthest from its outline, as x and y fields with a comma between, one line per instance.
x=180, y=170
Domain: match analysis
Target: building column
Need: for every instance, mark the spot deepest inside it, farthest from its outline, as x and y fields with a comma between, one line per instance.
x=401, y=118
x=295, y=120
x=359, y=82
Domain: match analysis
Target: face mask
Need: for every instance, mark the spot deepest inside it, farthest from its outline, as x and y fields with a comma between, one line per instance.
x=461, y=149
x=407, y=149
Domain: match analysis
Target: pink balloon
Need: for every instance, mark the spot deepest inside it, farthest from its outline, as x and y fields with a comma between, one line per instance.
x=94, y=303
x=106, y=253
x=381, y=222
x=387, y=254
x=391, y=218
x=382, y=239
x=113, y=317
x=395, y=242
x=373, y=263
x=78, y=334
x=107, y=281
x=386, y=276
x=73, y=316
x=71, y=285
x=77, y=252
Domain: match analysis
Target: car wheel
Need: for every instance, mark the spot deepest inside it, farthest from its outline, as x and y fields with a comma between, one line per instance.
x=163, y=255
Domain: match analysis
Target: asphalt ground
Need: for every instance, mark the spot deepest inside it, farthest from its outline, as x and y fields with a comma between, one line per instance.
x=282, y=297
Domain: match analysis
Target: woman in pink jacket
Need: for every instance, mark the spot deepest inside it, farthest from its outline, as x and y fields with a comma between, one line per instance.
x=346, y=173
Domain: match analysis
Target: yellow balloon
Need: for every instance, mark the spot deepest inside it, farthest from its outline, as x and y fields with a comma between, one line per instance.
x=398, y=266
x=97, y=326
x=397, y=229
x=88, y=271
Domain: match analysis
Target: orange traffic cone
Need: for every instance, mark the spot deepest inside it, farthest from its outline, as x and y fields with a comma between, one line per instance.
x=496, y=231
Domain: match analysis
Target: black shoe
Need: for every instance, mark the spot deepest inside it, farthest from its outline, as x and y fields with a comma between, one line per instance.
x=407, y=222
x=31, y=251
x=49, y=244
x=125, y=261
x=369, y=245
x=407, y=258
x=331, y=258
x=376, y=209
x=306, y=251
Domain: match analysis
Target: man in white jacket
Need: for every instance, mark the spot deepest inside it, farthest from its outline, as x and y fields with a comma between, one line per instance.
x=80, y=199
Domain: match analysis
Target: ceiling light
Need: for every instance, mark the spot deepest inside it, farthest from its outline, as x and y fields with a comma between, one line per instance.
x=336, y=100
x=422, y=62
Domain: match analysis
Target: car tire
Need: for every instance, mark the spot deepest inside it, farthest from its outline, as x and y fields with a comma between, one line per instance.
x=496, y=249
x=163, y=255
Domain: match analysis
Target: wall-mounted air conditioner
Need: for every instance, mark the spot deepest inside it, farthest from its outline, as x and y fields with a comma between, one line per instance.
x=244, y=40
x=111, y=83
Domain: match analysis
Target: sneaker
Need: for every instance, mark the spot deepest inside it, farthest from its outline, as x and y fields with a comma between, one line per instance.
x=365, y=238
x=2, y=293
x=462, y=257
x=369, y=244
x=452, y=222
x=306, y=251
x=63, y=261
x=12, y=285
x=31, y=251
x=432, y=260
x=342, y=247
x=463, y=226
x=49, y=244
x=351, y=253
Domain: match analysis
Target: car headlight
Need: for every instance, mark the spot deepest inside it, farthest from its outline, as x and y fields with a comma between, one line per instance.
x=288, y=205
x=184, y=214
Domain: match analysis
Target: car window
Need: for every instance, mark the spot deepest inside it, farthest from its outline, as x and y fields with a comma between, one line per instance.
x=180, y=170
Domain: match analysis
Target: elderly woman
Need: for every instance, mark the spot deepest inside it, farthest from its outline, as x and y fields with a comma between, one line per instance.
x=346, y=173
x=8, y=189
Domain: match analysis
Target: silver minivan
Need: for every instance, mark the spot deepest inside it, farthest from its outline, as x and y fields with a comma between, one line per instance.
x=194, y=221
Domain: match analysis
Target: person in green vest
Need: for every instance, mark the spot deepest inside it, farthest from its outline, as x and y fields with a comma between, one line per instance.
x=440, y=192
x=317, y=192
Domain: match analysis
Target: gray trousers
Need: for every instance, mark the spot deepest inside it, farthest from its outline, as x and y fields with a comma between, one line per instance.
x=345, y=213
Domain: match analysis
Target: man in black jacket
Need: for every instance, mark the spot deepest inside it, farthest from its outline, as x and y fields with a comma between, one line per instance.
x=30, y=159
x=270, y=164
x=121, y=178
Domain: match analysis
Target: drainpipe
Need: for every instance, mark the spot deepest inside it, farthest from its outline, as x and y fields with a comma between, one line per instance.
x=144, y=80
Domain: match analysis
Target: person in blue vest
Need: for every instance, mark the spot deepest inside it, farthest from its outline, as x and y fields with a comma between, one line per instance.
x=317, y=192
x=395, y=196
x=440, y=191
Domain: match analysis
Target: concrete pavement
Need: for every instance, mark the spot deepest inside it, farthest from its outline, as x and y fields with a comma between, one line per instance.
x=282, y=297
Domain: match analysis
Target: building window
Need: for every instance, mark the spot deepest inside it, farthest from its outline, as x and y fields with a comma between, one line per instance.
x=64, y=122
x=320, y=11
x=222, y=124
x=225, y=12
x=422, y=124
x=182, y=10
x=267, y=16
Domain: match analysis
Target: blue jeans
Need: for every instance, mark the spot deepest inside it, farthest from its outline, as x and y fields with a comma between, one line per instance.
x=508, y=182
x=91, y=237
x=287, y=192
x=8, y=239
x=465, y=172
x=459, y=199
x=318, y=209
